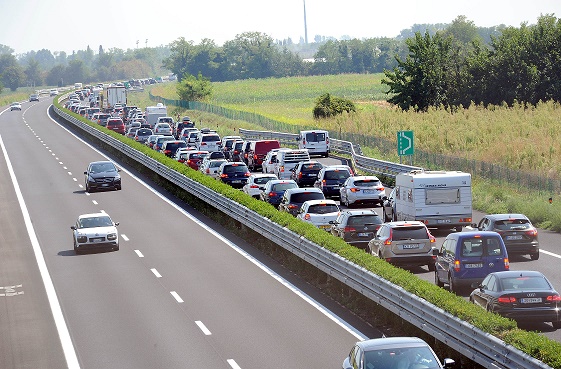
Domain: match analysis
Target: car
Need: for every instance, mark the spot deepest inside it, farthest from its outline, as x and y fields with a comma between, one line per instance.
x=269, y=162
x=163, y=129
x=404, y=243
x=210, y=167
x=388, y=206
x=170, y=147
x=34, y=97
x=521, y=295
x=194, y=158
x=53, y=92
x=116, y=124
x=208, y=141
x=234, y=173
x=132, y=132
x=132, y=124
x=293, y=199
x=142, y=134
x=244, y=150
x=394, y=352
x=356, y=227
x=181, y=126
x=102, y=175
x=95, y=231
x=305, y=173
x=256, y=183
x=319, y=212
x=151, y=140
x=274, y=189
x=518, y=233
x=15, y=106
x=228, y=143
x=101, y=118
x=192, y=138
x=236, y=152
x=331, y=177
x=288, y=159
x=159, y=143
x=257, y=151
x=362, y=190
x=468, y=257
x=184, y=134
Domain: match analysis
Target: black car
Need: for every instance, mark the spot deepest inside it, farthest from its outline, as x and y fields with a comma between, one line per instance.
x=518, y=233
x=102, y=175
x=234, y=173
x=236, y=152
x=356, y=227
x=170, y=147
x=306, y=173
x=293, y=198
x=524, y=296
x=331, y=177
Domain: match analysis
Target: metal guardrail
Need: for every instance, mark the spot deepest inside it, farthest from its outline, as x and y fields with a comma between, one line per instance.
x=463, y=337
x=359, y=160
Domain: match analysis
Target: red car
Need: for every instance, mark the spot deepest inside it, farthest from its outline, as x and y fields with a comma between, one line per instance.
x=116, y=124
x=194, y=158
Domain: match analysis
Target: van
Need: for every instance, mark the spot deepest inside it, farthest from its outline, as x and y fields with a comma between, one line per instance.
x=258, y=150
x=316, y=142
x=466, y=258
x=288, y=159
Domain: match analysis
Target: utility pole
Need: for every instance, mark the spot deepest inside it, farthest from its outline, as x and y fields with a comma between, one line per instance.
x=137, y=44
x=146, y=43
x=305, y=25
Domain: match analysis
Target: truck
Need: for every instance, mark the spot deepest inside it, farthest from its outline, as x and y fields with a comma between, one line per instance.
x=115, y=95
x=152, y=113
x=440, y=199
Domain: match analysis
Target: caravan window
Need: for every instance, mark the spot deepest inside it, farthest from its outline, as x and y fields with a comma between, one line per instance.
x=442, y=196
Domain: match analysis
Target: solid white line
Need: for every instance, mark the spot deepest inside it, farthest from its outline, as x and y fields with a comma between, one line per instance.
x=233, y=364
x=139, y=253
x=203, y=328
x=158, y=275
x=63, y=333
x=125, y=237
x=176, y=296
x=550, y=253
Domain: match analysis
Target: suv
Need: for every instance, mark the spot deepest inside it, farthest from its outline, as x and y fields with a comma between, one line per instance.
x=170, y=147
x=258, y=150
x=518, y=233
x=293, y=199
x=274, y=190
x=33, y=97
x=405, y=243
x=208, y=141
x=116, y=124
x=356, y=227
x=306, y=173
x=362, y=190
x=331, y=177
x=233, y=173
x=236, y=152
x=466, y=258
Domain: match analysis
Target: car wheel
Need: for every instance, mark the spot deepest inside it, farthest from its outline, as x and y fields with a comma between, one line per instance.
x=88, y=188
x=452, y=285
x=437, y=280
x=432, y=267
x=535, y=256
x=556, y=325
x=116, y=248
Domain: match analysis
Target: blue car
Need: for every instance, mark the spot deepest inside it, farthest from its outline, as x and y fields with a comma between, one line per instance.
x=274, y=190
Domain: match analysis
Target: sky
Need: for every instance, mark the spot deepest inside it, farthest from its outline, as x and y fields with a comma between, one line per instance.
x=68, y=25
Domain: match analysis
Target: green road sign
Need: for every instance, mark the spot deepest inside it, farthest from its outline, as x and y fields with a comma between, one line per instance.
x=405, y=143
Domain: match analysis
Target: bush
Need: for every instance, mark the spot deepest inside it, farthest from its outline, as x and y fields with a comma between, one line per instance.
x=328, y=106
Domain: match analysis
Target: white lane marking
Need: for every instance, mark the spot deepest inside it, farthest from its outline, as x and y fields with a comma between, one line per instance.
x=139, y=253
x=322, y=309
x=176, y=296
x=53, y=154
x=158, y=275
x=125, y=237
x=102, y=211
x=60, y=162
x=63, y=333
x=203, y=328
x=56, y=158
x=74, y=179
x=69, y=173
x=233, y=364
x=550, y=254
x=65, y=168
x=94, y=202
x=87, y=194
x=80, y=186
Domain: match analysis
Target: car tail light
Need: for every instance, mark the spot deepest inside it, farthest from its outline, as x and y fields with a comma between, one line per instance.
x=224, y=175
x=300, y=175
x=272, y=194
x=506, y=299
x=381, y=188
x=181, y=160
x=456, y=265
x=281, y=168
x=532, y=232
x=254, y=156
x=292, y=206
x=207, y=171
x=349, y=229
x=323, y=183
x=388, y=241
x=247, y=174
x=431, y=238
x=254, y=186
x=354, y=189
x=553, y=298
x=167, y=152
x=507, y=264
x=307, y=216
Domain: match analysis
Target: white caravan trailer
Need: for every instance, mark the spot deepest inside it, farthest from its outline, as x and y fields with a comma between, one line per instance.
x=439, y=199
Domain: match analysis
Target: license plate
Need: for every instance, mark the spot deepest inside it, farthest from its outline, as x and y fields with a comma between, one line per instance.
x=368, y=191
x=473, y=266
x=99, y=239
x=105, y=185
x=532, y=300
x=441, y=221
x=410, y=246
x=365, y=234
x=325, y=226
x=518, y=237
x=237, y=181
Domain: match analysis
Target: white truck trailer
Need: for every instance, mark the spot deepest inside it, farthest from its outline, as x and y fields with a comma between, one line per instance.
x=152, y=113
x=440, y=199
x=115, y=95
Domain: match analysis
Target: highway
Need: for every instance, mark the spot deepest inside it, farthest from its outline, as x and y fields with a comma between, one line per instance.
x=181, y=293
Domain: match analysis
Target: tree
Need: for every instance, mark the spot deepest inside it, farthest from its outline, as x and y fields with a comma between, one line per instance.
x=329, y=106
x=250, y=55
x=55, y=76
x=33, y=73
x=192, y=88
x=11, y=72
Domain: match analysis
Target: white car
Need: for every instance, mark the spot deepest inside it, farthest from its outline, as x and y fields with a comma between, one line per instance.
x=256, y=183
x=163, y=129
x=269, y=162
x=53, y=92
x=319, y=213
x=210, y=167
x=362, y=190
x=15, y=106
x=95, y=231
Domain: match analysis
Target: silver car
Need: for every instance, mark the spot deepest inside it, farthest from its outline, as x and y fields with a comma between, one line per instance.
x=95, y=231
x=362, y=190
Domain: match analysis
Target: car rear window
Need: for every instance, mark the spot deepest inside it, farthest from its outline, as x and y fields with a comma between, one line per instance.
x=323, y=209
x=316, y=167
x=366, y=183
x=283, y=186
x=479, y=246
x=337, y=174
x=526, y=282
x=235, y=169
x=263, y=180
x=358, y=220
x=305, y=196
x=208, y=138
x=409, y=233
x=315, y=137
x=512, y=224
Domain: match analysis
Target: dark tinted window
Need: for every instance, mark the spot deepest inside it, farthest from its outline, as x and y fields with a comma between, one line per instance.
x=409, y=233
x=235, y=169
x=323, y=209
x=337, y=174
x=305, y=196
x=316, y=167
x=366, y=183
x=263, y=180
x=525, y=282
x=208, y=138
x=315, y=137
x=283, y=186
x=512, y=224
x=356, y=220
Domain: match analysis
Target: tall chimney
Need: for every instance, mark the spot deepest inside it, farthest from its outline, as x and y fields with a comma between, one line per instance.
x=305, y=25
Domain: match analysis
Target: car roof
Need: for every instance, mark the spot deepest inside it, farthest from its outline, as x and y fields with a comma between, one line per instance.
x=390, y=342
x=473, y=234
x=91, y=215
x=360, y=212
x=102, y=162
x=518, y=273
x=405, y=223
x=361, y=178
x=303, y=189
x=261, y=175
x=505, y=216
x=324, y=201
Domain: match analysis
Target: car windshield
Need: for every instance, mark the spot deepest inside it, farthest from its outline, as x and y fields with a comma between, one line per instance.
x=364, y=219
x=403, y=357
x=103, y=167
x=93, y=222
x=323, y=209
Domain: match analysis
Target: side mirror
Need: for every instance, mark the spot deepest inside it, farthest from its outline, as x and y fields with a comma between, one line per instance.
x=73, y=227
x=85, y=172
x=435, y=252
x=116, y=224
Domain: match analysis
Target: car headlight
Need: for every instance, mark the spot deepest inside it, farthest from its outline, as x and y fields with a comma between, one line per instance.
x=82, y=239
x=112, y=236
